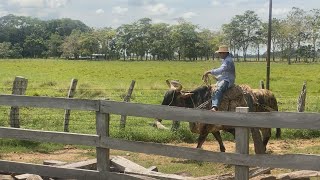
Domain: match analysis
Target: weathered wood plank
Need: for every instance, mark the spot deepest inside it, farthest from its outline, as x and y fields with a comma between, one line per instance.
x=19, y=88
x=103, y=154
x=251, y=119
x=302, y=98
x=242, y=147
x=49, y=102
x=124, y=164
x=52, y=171
x=90, y=164
x=123, y=118
x=49, y=136
x=289, y=161
x=71, y=93
x=54, y=163
x=298, y=175
x=127, y=166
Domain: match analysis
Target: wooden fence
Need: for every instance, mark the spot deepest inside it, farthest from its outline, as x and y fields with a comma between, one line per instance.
x=104, y=143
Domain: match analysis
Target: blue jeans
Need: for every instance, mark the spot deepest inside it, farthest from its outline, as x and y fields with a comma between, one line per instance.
x=222, y=87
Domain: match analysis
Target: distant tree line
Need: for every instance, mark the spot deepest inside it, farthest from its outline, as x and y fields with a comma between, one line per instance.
x=294, y=39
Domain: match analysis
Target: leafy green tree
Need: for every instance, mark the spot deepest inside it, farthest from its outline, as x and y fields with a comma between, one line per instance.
x=71, y=46
x=205, y=45
x=313, y=28
x=161, y=45
x=124, y=39
x=233, y=36
x=34, y=46
x=54, y=45
x=249, y=23
x=65, y=26
x=5, y=49
x=141, y=40
x=106, y=38
x=185, y=37
x=297, y=21
x=89, y=44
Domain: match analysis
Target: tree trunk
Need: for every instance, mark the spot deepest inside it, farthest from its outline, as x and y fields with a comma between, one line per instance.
x=258, y=52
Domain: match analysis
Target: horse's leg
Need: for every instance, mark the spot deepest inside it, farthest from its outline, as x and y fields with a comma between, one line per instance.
x=175, y=125
x=278, y=133
x=257, y=140
x=219, y=139
x=202, y=137
x=266, y=134
x=232, y=131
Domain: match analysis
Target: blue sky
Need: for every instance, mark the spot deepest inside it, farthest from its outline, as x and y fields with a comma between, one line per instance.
x=112, y=13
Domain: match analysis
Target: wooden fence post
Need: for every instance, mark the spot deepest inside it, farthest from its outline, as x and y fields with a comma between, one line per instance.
x=71, y=93
x=261, y=84
x=19, y=88
x=103, y=154
x=127, y=99
x=302, y=98
x=242, y=147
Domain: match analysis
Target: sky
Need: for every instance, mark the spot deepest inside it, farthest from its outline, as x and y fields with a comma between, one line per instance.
x=209, y=14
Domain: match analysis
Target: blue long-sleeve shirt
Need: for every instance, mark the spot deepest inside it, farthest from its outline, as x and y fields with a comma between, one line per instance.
x=226, y=71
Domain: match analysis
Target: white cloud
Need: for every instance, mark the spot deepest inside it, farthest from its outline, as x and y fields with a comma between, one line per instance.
x=215, y=3
x=57, y=3
x=119, y=10
x=159, y=9
x=280, y=11
x=27, y=3
x=38, y=3
x=189, y=15
x=275, y=11
x=99, y=11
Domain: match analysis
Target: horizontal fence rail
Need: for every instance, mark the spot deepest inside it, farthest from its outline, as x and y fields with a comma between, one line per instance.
x=52, y=171
x=292, y=161
x=103, y=143
x=49, y=102
x=262, y=119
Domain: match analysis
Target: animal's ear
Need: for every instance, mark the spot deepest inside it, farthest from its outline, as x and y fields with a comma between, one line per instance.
x=186, y=95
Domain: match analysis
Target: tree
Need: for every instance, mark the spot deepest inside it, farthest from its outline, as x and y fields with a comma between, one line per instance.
x=141, y=40
x=124, y=39
x=206, y=45
x=185, y=38
x=313, y=28
x=71, y=45
x=34, y=46
x=106, y=38
x=55, y=45
x=249, y=24
x=65, y=26
x=233, y=36
x=275, y=35
x=297, y=21
x=89, y=44
x=5, y=49
x=161, y=44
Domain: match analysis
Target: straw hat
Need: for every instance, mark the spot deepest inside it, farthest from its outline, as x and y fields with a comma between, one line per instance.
x=222, y=49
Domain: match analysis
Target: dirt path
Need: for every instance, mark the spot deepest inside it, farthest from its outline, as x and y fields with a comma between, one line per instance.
x=70, y=153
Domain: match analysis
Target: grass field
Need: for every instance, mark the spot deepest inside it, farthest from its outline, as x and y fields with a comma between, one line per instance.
x=111, y=79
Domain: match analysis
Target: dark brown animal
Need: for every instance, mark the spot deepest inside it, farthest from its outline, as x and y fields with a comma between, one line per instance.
x=262, y=101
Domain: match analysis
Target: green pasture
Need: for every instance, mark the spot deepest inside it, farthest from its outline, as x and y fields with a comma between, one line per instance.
x=111, y=80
